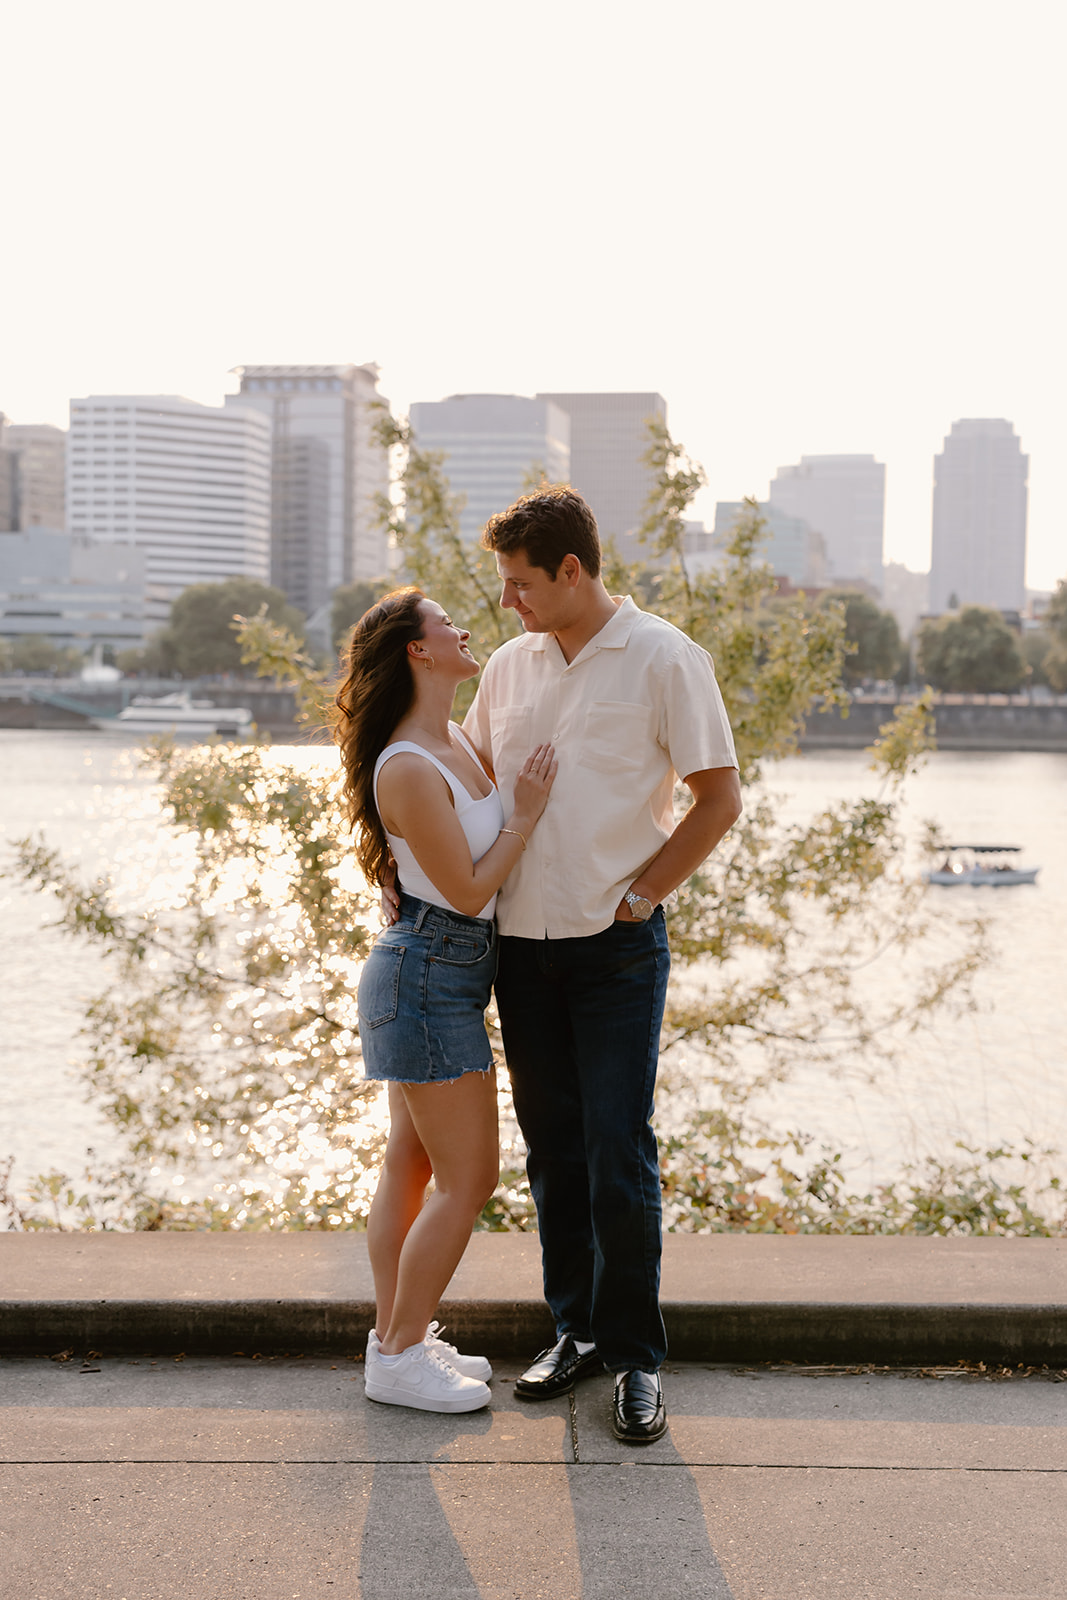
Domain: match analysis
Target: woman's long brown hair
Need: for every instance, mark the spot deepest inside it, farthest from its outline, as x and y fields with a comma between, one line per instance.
x=377, y=693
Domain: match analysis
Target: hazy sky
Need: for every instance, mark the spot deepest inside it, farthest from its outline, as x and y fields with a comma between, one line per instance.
x=815, y=226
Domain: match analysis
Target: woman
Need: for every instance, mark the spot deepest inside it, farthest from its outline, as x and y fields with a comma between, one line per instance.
x=418, y=795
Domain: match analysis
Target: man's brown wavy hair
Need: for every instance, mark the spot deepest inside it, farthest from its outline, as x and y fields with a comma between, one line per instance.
x=377, y=693
x=546, y=526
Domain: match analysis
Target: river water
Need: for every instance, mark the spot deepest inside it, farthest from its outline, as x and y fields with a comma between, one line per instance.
x=999, y=1073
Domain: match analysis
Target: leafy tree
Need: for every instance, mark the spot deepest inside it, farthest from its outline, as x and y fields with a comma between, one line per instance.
x=228, y=1039
x=227, y=1045
x=971, y=652
x=1055, y=663
x=872, y=635
x=200, y=637
x=348, y=604
x=32, y=652
x=905, y=672
x=132, y=659
x=1036, y=646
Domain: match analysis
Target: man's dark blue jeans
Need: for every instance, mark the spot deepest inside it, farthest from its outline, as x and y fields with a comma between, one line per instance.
x=581, y=1023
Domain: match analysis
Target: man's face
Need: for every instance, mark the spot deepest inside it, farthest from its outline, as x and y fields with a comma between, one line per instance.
x=542, y=604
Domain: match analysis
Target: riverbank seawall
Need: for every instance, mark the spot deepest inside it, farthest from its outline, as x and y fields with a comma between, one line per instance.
x=963, y=722
x=726, y=1297
x=68, y=703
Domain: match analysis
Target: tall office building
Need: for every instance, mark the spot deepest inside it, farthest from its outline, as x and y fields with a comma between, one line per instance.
x=8, y=467
x=187, y=484
x=326, y=526
x=792, y=548
x=40, y=452
x=979, y=535
x=843, y=498
x=300, y=521
x=494, y=445
x=609, y=437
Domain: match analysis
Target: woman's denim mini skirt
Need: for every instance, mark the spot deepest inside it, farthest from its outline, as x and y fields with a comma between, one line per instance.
x=423, y=993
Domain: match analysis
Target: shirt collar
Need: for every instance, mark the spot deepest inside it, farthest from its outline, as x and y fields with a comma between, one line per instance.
x=612, y=636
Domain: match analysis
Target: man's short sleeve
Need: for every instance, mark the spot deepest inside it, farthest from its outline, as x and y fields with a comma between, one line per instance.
x=693, y=725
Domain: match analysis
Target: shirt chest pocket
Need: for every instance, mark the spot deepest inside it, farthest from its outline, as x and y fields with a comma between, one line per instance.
x=509, y=736
x=616, y=736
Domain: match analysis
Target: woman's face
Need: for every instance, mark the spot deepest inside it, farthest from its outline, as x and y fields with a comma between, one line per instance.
x=442, y=640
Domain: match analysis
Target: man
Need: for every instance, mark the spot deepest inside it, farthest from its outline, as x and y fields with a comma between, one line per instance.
x=628, y=701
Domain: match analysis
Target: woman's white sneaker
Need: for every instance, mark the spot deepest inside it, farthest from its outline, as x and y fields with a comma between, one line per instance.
x=421, y=1378
x=469, y=1366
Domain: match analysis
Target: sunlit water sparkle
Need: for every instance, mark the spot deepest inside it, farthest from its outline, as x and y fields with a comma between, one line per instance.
x=992, y=1075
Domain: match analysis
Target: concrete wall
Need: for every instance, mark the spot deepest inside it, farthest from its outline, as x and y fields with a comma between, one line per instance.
x=964, y=722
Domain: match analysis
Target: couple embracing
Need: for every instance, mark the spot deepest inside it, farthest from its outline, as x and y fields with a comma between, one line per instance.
x=533, y=849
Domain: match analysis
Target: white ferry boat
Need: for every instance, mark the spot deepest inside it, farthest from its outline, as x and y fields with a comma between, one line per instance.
x=976, y=865
x=179, y=714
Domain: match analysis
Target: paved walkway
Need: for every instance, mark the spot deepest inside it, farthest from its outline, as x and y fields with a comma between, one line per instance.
x=214, y=1467
x=228, y=1478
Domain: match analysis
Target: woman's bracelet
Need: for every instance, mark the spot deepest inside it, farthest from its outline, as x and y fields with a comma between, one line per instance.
x=517, y=834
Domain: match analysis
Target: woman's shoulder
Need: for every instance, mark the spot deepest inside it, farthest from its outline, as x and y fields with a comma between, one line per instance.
x=408, y=762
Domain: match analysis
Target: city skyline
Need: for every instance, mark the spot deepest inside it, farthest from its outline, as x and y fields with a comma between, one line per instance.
x=827, y=229
x=492, y=445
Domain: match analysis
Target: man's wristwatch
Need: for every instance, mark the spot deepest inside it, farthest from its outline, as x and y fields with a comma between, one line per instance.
x=640, y=908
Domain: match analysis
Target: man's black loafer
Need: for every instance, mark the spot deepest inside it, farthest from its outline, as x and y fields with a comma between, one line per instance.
x=556, y=1371
x=639, y=1415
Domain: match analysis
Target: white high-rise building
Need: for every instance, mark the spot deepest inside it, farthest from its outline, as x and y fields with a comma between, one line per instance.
x=843, y=498
x=329, y=470
x=187, y=484
x=495, y=445
x=609, y=438
x=979, y=534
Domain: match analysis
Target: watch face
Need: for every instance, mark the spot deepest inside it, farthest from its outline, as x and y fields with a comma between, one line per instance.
x=641, y=908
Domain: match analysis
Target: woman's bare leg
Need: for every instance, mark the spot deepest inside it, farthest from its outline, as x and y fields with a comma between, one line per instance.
x=456, y=1125
x=398, y=1199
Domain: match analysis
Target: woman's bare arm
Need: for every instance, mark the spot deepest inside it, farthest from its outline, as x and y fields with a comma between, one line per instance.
x=415, y=803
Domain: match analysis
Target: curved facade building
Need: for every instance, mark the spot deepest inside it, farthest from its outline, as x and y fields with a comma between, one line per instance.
x=189, y=485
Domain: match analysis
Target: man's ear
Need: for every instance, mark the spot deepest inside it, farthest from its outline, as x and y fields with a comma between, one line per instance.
x=570, y=570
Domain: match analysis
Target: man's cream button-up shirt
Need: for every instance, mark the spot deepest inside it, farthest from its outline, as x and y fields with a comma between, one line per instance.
x=638, y=706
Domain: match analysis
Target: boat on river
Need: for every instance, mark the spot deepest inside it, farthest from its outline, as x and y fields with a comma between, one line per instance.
x=179, y=714
x=978, y=865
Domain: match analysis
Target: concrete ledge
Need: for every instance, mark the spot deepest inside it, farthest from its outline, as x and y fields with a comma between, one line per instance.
x=726, y=1297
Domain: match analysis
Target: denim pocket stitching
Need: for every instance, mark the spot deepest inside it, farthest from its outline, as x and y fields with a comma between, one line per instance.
x=391, y=985
x=462, y=950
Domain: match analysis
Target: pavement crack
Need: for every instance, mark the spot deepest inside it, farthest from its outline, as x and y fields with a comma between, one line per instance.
x=574, y=1425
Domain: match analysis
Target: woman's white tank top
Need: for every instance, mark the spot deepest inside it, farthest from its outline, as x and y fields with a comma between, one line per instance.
x=480, y=819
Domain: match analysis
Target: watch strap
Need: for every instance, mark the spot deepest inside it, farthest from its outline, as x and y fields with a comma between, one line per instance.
x=642, y=900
